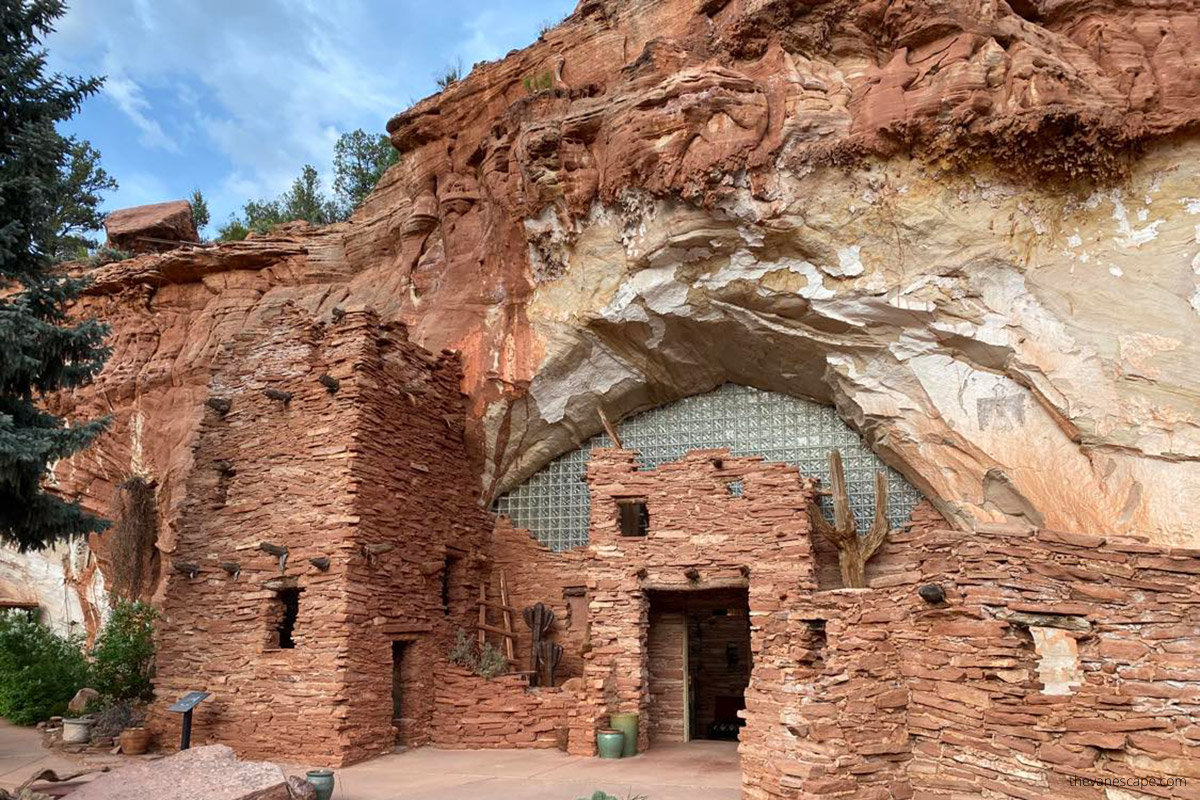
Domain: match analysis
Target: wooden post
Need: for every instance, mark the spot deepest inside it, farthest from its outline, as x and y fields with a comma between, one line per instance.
x=609, y=429
x=508, y=626
x=853, y=550
x=482, y=613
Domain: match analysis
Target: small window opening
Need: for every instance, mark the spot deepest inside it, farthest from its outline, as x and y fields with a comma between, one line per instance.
x=634, y=516
x=817, y=641
x=735, y=488
x=449, y=572
x=290, y=600
x=731, y=655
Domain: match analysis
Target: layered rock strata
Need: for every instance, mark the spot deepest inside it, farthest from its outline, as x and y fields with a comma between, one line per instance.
x=971, y=227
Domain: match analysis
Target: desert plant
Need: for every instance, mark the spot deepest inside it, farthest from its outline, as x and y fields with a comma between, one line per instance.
x=491, y=662
x=40, y=671
x=449, y=75
x=114, y=717
x=602, y=795
x=463, y=653
x=107, y=255
x=539, y=82
x=486, y=661
x=123, y=658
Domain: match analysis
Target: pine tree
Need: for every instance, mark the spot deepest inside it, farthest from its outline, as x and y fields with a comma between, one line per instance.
x=359, y=161
x=77, y=200
x=306, y=201
x=42, y=350
x=199, y=212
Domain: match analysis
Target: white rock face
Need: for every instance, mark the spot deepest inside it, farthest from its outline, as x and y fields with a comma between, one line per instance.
x=1018, y=352
x=62, y=580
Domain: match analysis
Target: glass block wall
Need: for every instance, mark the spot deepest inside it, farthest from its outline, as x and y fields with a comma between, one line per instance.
x=554, y=503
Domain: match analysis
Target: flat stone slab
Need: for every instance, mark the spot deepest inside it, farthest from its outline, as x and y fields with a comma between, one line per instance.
x=211, y=772
x=169, y=222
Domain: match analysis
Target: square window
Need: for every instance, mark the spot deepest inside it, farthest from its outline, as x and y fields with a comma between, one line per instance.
x=633, y=515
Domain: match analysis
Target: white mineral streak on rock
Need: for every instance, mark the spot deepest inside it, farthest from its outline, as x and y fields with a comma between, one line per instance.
x=849, y=263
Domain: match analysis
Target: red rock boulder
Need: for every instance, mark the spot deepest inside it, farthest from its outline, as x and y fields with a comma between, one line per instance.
x=153, y=228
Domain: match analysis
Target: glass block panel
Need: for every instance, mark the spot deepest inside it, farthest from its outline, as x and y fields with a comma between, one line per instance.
x=554, y=503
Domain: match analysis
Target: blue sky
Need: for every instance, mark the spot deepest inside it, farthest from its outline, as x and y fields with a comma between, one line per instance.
x=234, y=96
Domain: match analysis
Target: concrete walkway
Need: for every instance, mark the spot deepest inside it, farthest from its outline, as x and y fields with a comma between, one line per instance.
x=694, y=771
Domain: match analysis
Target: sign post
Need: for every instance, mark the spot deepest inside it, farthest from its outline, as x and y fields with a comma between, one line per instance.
x=186, y=705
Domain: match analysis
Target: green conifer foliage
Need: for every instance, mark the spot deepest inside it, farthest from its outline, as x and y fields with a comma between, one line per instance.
x=42, y=349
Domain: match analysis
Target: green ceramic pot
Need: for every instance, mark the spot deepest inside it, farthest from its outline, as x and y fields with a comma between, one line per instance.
x=628, y=725
x=610, y=743
x=322, y=781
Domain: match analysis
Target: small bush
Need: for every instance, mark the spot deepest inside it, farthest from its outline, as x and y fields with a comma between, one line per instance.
x=123, y=658
x=491, y=662
x=107, y=255
x=600, y=795
x=40, y=671
x=450, y=75
x=115, y=717
x=487, y=662
x=539, y=82
x=463, y=653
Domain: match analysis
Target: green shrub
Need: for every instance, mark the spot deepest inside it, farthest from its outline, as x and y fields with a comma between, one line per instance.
x=539, y=82
x=487, y=662
x=123, y=658
x=599, y=795
x=40, y=671
x=463, y=653
x=491, y=662
x=449, y=75
x=107, y=255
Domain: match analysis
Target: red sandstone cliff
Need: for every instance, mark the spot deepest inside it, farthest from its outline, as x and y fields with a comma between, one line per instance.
x=968, y=225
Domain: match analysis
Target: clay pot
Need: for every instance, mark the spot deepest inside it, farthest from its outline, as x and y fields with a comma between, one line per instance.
x=322, y=781
x=77, y=731
x=628, y=725
x=135, y=741
x=610, y=743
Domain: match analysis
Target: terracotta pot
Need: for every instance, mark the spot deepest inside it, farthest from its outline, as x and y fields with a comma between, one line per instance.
x=135, y=741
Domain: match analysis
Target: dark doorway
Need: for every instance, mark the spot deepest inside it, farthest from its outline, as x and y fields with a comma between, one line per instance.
x=699, y=663
x=289, y=599
x=398, y=681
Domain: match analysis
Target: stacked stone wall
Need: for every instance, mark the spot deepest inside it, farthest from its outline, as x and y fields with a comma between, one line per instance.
x=475, y=713
x=536, y=574
x=1058, y=665
x=702, y=536
x=341, y=442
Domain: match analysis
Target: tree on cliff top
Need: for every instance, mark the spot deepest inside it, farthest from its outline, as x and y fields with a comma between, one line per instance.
x=199, y=212
x=42, y=349
x=76, y=200
x=359, y=161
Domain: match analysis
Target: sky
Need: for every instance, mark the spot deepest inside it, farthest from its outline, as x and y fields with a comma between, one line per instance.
x=233, y=97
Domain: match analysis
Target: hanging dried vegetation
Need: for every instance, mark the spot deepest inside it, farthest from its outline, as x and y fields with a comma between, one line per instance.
x=133, y=557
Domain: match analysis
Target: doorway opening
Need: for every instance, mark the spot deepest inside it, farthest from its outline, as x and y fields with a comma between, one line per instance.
x=698, y=653
x=403, y=692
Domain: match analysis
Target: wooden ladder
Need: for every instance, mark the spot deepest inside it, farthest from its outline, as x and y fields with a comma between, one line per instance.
x=506, y=612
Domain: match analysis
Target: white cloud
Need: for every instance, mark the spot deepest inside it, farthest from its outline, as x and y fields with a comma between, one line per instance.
x=257, y=88
x=128, y=97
